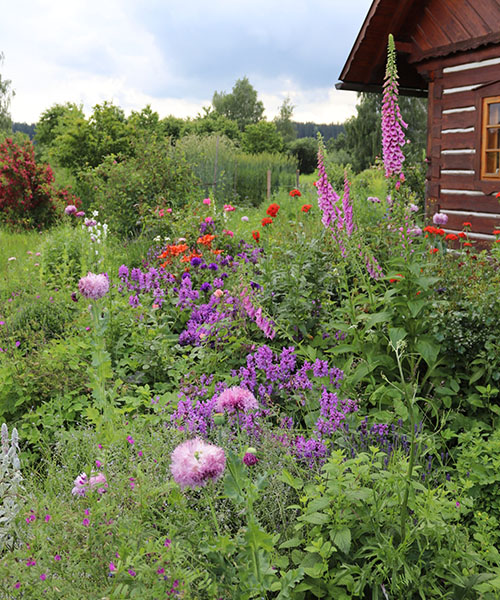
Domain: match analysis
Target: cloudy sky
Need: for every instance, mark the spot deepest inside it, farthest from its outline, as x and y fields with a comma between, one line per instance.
x=173, y=54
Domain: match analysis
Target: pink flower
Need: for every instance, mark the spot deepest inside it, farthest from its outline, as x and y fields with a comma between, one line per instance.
x=218, y=293
x=440, y=219
x=228, y=232
x=112, y=567
x=93, y=286
x=82, y=484
x=235, y=399
x=195, y=462
x=161, y=212
x=80, y=213
x=228, y=208
x=168, y=210
x=71, y=209
x=207, y=201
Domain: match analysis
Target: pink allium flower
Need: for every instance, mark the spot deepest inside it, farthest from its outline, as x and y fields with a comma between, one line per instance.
x=440, y=219
x=93, y=286
x=207, y=201
x=195, y=462
x=71, y=209
x=235, y=399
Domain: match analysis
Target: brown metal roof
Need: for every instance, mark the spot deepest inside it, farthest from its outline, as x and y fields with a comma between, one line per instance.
x=422, y=29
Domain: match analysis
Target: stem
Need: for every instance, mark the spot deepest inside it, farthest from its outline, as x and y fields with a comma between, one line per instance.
x=212, y=511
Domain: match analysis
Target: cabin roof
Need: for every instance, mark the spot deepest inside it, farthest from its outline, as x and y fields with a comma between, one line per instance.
x=422, y=30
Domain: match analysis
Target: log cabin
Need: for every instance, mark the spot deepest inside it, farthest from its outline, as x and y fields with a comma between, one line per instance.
x=449, y=52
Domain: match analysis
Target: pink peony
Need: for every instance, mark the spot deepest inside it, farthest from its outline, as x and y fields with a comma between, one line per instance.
x=71, y=209
x=235, y=399
x=93, y=286
x=195, y=462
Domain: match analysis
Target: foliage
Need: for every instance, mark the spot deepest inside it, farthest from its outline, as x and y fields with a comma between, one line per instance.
x=125, y=191
x=306, y=152
x=241, y=105
x=284, y=123
x=5, y=97
x=261, y=137
x=28, y=197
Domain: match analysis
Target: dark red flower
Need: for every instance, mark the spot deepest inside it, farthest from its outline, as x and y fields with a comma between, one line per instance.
x=295, y=192
x=256, y=235
x=306, y=208
x=266, y=221
x=272, y=209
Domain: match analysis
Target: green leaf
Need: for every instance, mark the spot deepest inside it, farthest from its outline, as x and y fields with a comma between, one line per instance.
x=429, y=350
x=316, y=518
x=342, y=539
x=380, y=317
x=291, y=543
x=416, y=306
x=396, y=334
x=295, y=482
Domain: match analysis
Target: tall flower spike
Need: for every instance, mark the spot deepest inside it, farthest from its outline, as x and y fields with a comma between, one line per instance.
x=393, y=138
x=347, y=207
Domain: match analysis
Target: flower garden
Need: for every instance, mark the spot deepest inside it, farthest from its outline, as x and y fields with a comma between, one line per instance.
x=289, y=401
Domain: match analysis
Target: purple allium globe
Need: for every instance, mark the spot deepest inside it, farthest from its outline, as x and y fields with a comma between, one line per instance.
x=440, y=219
x=236, y=399
x=71, y=209
x=93, y=286
x=195, y=462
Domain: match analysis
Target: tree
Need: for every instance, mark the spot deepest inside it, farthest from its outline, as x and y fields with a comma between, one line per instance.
x=306, y=152
x=5, y=97
x=241, y=105
x=52, y=123
x=213, y=122
x=284, y=121
x=363, y=135
x=261, y=137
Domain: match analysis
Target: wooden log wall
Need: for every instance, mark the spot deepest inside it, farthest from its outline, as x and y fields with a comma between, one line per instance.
x=456, y=84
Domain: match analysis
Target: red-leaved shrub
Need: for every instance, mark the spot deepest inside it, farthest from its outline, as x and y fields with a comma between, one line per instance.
x=28, y=197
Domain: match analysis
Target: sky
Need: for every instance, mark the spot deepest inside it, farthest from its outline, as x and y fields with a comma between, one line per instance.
x=174, y=54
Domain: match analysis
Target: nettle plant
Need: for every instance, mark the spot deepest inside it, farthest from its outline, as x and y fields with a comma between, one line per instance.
x=28, y=197
x=10, y=487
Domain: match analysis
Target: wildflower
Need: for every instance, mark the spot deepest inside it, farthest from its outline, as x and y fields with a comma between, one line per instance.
x=112, y=567
x=393, y=138
x=413, y=208
x=266, y=221
x=496, y=232
x=235, y=399
x=130, y=440
x=228, y=232
x=415, y=231
x=85, y=522
x=295, y=192
x=57, y=557
x=373, y=199
x=11, y=258
x=82, y=484
x=467, y=244
x=451, y=237
x=462, y=234
x=218, y=293
x=434, y=250
x=244, y=219
x=205, y=286
x=228, y=208
x=70, y=209
x=398, y=277
x=47, y=518
x=80, y=214
x=43, y=576
x=467, y=224
x=132, y=573
x=207, y=201
x=90, y=222
x=440, y=219
x=250, y=459
x=195, y=462
x=306, y=207
x=93, y=286
x=272, y=209
x=256, y=235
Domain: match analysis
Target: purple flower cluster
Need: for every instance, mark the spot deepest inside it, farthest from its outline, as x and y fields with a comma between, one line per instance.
x=393, y=138
x=265, y=325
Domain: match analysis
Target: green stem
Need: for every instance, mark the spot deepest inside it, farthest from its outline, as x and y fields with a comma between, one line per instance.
x=212, y=511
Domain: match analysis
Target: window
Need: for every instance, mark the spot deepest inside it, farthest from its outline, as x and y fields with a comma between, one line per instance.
x=490, y=139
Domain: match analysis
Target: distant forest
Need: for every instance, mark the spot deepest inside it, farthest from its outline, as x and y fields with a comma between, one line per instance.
x=303, y=129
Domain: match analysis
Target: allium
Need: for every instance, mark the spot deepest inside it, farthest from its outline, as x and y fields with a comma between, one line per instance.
x=440, y=219
x=71, y=209
x=235, y=399
x=93, y=286
x=195, y=462
x=393, y=138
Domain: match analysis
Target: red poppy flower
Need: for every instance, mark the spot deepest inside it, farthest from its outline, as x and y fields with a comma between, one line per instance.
x=306, y=207
x=266, y=221
x=272, y=210
x=256, y=235
x=397, y=278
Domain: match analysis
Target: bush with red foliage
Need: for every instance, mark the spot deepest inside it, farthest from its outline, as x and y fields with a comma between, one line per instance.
x=28, y=197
